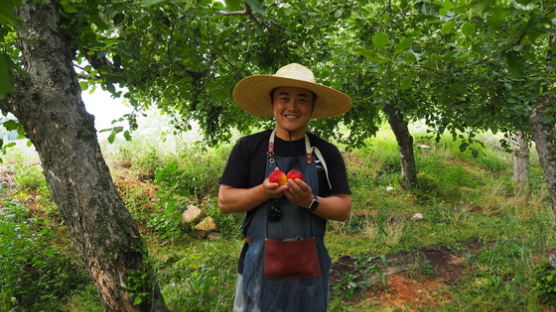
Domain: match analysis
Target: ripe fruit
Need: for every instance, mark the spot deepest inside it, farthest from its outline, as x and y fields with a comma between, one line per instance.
x=277, y=176
x=295, y=174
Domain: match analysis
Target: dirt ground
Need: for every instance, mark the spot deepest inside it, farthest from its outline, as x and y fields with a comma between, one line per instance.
x=404, y=289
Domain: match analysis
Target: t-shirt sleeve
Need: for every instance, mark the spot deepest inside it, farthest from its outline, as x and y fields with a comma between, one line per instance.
x=337, y=171
x=236, y=172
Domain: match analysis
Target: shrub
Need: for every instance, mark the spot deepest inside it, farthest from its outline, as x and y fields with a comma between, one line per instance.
x=229, y=224
x=545, y=283
x=29, y=178
x=34, y=276
x=203, y=279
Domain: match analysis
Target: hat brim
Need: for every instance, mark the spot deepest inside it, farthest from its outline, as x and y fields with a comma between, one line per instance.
x=252, y=94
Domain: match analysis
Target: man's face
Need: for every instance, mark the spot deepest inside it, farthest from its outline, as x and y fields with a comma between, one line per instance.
x=292, y=108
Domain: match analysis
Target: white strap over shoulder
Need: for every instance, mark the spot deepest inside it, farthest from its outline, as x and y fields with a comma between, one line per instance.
x=313, y=149
x=319, y=155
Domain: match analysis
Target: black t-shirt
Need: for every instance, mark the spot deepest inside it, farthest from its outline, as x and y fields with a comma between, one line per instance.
x=247, y=162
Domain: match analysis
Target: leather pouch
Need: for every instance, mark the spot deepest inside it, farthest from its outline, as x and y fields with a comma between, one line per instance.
x=291, y=259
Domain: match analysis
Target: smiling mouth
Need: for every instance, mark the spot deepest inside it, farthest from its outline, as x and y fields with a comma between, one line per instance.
x=291, y=117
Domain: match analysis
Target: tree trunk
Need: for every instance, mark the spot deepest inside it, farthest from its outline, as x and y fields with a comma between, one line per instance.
x=47, y=102
x=521, y=158
x=543, y=127
x=405, y=145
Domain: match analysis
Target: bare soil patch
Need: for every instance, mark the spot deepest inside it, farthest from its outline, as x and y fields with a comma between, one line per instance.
x=401, y=289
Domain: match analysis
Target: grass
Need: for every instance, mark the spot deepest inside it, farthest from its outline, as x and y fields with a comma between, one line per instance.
x=463, y=198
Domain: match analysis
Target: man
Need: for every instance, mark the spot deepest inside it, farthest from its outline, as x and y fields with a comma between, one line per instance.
x=284, y=264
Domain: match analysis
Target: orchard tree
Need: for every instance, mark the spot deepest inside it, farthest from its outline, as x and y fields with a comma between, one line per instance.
x=498, y=72
x=46, y=100
x=183, y=57
x=453, y=64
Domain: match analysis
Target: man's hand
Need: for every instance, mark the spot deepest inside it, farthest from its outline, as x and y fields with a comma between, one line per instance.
x=274, y=190
x=299, y=192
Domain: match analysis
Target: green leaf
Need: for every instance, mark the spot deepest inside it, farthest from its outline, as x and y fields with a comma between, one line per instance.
x=338, y=13
x=427, y=8
x=256, y=6
x=21, y=131
x=380, y=39
x=84, y=85
x=127, y=135
x=7, y=13
x=118, y=18
x=6, y=85
x=468, y=28
x=371, y=56
x=233, y=5
x=149, y=3
x=496, y=19
x=404, y=44
x=463, y=147
x=405, y=84
x=29, y=143
x=376, y=59
x=516, y=64
x=11, y=125
x=548, y=119
x=111, y=137
x=448, y=27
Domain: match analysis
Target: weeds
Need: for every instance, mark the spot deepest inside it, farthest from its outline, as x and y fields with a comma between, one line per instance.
x=460, y=195
x=33, y=274
x=545, y=283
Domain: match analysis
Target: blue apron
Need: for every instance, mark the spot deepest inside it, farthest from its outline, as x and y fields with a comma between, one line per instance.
x=257, y=294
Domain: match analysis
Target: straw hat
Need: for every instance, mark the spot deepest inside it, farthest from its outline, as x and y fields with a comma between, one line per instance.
x=252, y=94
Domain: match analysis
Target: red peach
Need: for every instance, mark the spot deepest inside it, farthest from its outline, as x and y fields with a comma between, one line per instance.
x=295, y=174
x=277, y=176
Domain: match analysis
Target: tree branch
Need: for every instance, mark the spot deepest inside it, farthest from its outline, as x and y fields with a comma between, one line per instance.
x=248, y=11
x=99, y=61
x=226, y=13
x=85, y=76
x=506, y=49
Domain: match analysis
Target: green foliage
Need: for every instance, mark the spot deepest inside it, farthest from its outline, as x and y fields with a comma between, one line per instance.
x=422, y=270
x=34, y=276
x=195, y=171
x=85, y=300
x=201, y=277
x=229, y=224
x=136, y=281
x=366, y=272
x=8, y=20
x=172, y=198
x=545, y=283
x=30, y=178
x=499, y=275
x=7, y=133
x=179, y=186
x=6, y=84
